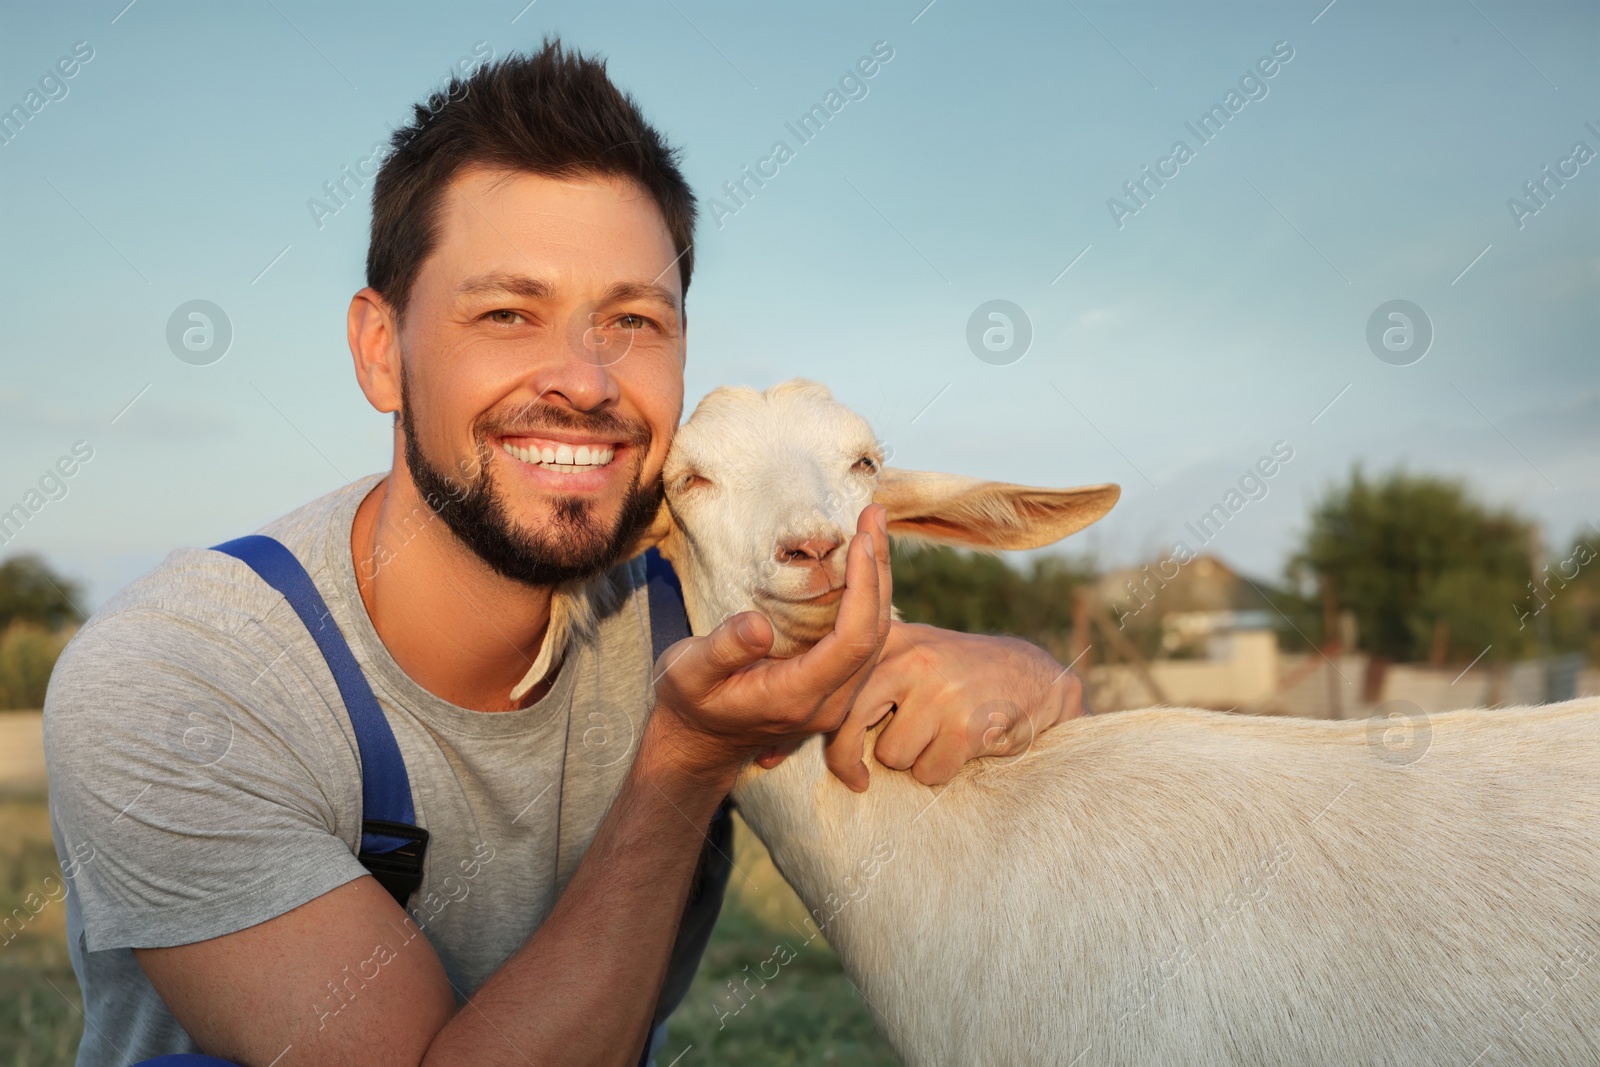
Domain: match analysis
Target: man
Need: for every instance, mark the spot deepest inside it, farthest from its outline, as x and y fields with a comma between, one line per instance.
x=531, y=247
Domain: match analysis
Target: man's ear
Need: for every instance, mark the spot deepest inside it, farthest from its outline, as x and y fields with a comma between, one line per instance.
x=375, y=346
x=954, y=510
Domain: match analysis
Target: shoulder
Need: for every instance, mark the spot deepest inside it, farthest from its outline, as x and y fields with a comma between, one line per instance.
x=195, y=638
x=171, y=659
x=187, y=619
x=199, y=594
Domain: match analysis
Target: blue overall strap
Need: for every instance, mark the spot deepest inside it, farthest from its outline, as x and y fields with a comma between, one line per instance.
x=669, y=624
x=669, y=619
x=385, y=786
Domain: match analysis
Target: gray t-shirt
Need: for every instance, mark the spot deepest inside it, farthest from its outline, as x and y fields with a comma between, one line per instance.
x=204, y=776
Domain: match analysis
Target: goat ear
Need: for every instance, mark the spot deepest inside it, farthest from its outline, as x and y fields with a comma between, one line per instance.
x=955, y=510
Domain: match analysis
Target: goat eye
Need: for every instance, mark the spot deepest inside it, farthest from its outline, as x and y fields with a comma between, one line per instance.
x=866, y=465
x=691, y=480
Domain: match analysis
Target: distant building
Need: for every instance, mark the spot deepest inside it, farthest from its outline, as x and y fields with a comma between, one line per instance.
x=1143, y=595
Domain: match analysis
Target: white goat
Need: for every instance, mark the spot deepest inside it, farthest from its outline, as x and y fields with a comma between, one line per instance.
x=1162, y=887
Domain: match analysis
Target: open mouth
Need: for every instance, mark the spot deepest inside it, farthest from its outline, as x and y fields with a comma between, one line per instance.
x=564, y=457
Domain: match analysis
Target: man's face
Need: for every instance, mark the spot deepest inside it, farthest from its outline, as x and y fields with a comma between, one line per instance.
x=545, y=326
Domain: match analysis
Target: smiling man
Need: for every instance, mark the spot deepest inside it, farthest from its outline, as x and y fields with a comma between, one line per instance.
x=524, y=321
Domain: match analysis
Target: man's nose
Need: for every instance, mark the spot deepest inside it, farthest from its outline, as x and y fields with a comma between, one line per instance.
x=578, y=375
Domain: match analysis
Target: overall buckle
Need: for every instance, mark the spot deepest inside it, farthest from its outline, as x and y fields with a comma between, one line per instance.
x=400, y=870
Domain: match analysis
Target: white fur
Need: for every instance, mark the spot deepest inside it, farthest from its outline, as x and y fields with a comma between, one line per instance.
x=1164, y=887
x=1180, y=887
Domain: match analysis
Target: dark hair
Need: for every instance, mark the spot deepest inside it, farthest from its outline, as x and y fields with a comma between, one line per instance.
x=554, y=113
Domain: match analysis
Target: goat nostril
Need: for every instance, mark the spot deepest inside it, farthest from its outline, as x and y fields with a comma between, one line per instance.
x=812, y=549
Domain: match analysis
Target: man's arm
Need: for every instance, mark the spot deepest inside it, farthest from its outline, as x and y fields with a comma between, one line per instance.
x=955, y=697
x=581, y=990
x=605, y=945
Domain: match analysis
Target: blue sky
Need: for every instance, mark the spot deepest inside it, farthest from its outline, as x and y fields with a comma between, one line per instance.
x=1224, y=316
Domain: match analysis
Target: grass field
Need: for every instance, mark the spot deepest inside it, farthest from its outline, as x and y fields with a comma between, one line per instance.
x=807, y=1014
x=40, y=1009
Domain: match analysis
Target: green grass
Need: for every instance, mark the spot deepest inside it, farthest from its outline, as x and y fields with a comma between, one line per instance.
x=807, y=1014
x=40, y=1006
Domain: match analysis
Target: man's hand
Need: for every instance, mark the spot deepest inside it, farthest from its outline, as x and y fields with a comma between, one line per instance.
x=955, y=696
x=720, y=701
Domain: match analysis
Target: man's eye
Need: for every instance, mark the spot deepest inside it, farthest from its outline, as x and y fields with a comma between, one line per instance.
x=632, y=322
x=504, y=317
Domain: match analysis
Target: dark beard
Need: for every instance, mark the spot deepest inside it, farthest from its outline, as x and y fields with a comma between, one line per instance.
x=573, y=546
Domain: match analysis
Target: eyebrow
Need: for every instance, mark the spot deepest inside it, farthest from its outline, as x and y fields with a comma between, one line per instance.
x=531, y=288
x=622, y=291
x=513, y=284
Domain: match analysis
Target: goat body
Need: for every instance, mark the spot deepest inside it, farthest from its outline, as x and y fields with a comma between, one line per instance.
x=1182, y=888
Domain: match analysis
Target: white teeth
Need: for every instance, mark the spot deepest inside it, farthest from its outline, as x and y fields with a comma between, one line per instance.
x=563, y=456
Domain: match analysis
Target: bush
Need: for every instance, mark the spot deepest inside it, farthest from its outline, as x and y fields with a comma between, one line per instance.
x=29, y=589
x=28, y=653
x=983, y=594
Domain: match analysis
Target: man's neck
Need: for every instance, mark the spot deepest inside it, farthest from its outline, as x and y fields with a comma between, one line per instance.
x=458, y=629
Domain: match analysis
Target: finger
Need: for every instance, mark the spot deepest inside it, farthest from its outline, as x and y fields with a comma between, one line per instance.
x=843, y=661
x=843, y=755
x=843, y=751
x=854, y=640
x=1009, y=739
x=945, y=755
x=1069, y=697
x=880, y=526
x=869, y=581
x=885, y=687
x=740, y=641
x=873, y=522
x=905, y=739
x=776, y=755
x=1006, y=730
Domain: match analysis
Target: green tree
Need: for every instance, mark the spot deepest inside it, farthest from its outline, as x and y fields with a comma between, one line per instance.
x=1568, y=592
x=30, y=590
x=983, y=594
x=28, y=654
x=37, y=615
x=958, y=590
x=1044, y=610
x=1407, y=552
